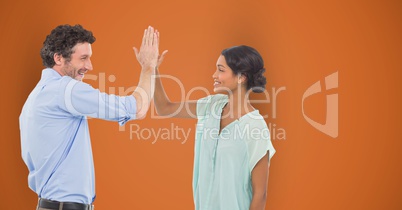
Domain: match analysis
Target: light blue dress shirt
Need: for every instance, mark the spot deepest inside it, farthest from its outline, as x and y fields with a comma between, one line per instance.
x=55, y=141
x=223, y=162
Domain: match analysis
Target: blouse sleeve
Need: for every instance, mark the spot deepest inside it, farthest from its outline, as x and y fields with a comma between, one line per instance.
x=202, y=106
x=259, y=142
x=206, y=104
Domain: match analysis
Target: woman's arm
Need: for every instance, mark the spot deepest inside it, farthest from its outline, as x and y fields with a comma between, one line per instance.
x=259, y=179
x=164, y=107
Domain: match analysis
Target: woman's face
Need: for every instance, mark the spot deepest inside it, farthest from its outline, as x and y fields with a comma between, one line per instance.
x=224, y=79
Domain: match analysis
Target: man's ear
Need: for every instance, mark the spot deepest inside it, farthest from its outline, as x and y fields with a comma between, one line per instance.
x=57, y=59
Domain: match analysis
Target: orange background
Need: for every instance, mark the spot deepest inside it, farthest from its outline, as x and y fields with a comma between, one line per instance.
x=301, y=43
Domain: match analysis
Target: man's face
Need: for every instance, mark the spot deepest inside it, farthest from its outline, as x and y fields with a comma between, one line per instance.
x=79, y=63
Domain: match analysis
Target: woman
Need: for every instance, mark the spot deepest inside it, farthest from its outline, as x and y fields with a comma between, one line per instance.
x=232, y=147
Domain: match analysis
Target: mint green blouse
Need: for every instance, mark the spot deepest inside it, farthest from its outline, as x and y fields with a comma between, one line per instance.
x=223, y=162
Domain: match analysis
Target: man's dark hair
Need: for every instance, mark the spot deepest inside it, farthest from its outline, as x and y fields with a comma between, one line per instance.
x=61, y=41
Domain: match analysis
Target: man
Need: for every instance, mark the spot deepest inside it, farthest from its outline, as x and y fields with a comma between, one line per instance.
x=55, y=142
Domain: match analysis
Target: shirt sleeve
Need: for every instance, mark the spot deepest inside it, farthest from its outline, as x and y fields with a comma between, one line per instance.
x=80, y=99
x=258, y=143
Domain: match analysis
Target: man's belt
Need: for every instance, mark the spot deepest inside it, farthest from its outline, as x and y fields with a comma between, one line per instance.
x=49, y=204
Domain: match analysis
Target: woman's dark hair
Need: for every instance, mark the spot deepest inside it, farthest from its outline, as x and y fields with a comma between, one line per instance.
x=247, y=61
x=61, y=40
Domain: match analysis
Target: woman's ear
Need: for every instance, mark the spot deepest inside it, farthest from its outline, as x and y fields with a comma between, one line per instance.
x=241, y=79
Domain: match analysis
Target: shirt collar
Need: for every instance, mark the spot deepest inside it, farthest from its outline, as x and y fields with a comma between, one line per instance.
x=50, y=73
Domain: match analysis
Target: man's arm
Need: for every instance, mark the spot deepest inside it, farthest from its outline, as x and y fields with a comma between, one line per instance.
x=80, y=99
x=147, y=56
